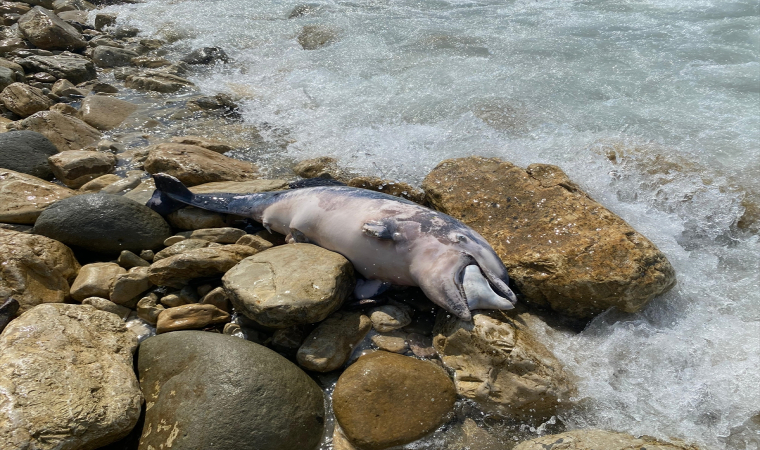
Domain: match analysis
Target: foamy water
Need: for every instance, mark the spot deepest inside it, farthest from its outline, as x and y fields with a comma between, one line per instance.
x=671, y=87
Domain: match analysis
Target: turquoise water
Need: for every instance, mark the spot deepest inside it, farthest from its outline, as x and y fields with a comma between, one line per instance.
x=672, y=88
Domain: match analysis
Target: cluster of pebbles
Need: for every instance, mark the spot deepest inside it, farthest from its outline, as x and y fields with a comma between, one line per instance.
x=241, y=335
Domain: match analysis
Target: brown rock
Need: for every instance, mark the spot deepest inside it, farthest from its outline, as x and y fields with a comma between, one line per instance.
x=45, y=30
x=148, y=309
x=395, y=188
x=224, y=235
x=23, y=197
x=209, y=144
x=105, y=112
x=563, y=249
x=67, y=379
x=389, y=317
x=240, y=187
x=257, y=242
x=321, y=167
x=76, y=167
x=181, y=246
x=313, y=37
x=65, y=87
x=393, y=341
x=499, y=364
x=152, y=80
x=290, y=285
x=97, y=184
x=35, y=269
x=24, y=100
x=129, y=260
x=65, y=132
x=385, y=399
x=95, y=280
x=177, y=270
x=591, y=439
x=196, y=165
x=328, y=347
x=108, y=306
x=190, y=218
x=218, y=298
x=190, y=317
x=128, y=286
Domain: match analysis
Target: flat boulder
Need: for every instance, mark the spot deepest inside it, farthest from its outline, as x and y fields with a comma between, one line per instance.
x=105, y=112
x=26, y=152
x=384, y=400
x=186, y=377
x=290, y=285
x=498, y=363
x=196, y=165
x=153, y=80
x=103, y=223
x=563, y=249
x=46, y=30
x=24, y=100
x=179, y=269
x=67, y=378
x=592, y=439
x=107, y=56
x=77, y=167
x=35, y=269
x=70, y=66
x=24, y=197
x=64, y=131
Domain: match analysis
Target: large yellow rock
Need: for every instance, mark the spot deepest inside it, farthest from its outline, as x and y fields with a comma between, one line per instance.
x=196, y=165
x=563, y=249
x=23, y=197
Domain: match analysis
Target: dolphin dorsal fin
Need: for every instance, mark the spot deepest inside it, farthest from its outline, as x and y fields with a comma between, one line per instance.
x=378, y=229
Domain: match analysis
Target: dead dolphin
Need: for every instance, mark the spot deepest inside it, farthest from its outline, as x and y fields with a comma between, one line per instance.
x=386, y=238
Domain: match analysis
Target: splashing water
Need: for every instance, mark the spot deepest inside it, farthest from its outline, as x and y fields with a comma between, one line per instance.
x=652, y=106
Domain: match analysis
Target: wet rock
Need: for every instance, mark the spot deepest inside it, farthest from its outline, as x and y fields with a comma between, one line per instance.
x=7, y=77
x=46, y=30
x=173, y=300
x=106, y=56
x=19, y=8
x=24, y=197
x=72, y=5
x=26, y=152
x=65, y=132
x=209, y=144
x=24, y=100
x=8, y=309
x=389, y=317
x=118, y=187
x=254, y=241
x=65, y=109
x=152, y=80
x=196, y=165
x=103, y=223
x=206, y=55
x=190, y=317
x=421, y=345
x=294, y=284
x=108, y=306
x=392, y=341
x=66, y=88
x=563, y=249
x=75, y=68
x=76, y=363
x=95, y=280
x=218, y=298
x=143, y=192
x=395, y=188
x=177, y=270
x=128, y=286
x=180, y=247
x=103, y=20
x=313, y=37
x=74, y=18
x=97, y=184
x=304, y=10
x=499, y=364
x=35, y=269
x=321, y=167
x=129, y=260
x=190, y=218
x=148, y=309
x=11, y=44
x=150, y=62
x=76, y=167
x=104, y=112
x=329, y=346
x=589, y=439
x=273, y=404
x=385, y=399
x=224, y=235
x=240, y=187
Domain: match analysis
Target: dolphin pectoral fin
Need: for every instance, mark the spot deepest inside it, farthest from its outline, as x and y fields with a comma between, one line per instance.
x=377, y=230
x=479, y=293
x=370, y=288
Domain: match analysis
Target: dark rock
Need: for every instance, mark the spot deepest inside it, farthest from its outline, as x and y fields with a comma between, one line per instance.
x=26, y=152
x=103, y=20
x=187, y=379
x=105, y=56
x=206, y=55
x=73, y=67
x=103, y=223
x=7, y=310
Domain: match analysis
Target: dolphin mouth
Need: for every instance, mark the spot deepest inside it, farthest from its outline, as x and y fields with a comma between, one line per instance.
x=479, y=292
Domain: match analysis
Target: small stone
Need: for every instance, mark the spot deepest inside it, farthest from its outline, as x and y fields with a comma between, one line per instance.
x=321, y=167
x=328, y=347
x=313, y=37
x=173, y=300
x=385, y=399
x=288, y=339
x=147, y=255
x=24, y=100
x=97, y=184
x=151, y=62
x=178, y=270
x=129, y=260
x=168, y=242
x=125, y=184
x=103, y=88
x=108, y=306
x=232, y=329
x=393, y=341
x=127, y=287
x=104, y=112
x=66, y=109
x=256, y=242
x=190, y=317
x=389, y=317
x=103, y=20
x=206, y=55
x=224, y=235
x=152, y=80
x=421, y=346
x=76, y=167
x=218, y=298
x=64, y=87
x=95, y=280
x=148, y=309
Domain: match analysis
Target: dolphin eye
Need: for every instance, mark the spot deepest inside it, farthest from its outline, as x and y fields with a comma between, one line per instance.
x=460, y=238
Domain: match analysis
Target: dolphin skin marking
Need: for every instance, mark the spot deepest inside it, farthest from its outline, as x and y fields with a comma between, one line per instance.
x=386, y=238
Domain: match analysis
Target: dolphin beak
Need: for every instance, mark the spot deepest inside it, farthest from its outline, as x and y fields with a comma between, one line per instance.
x=479, y=293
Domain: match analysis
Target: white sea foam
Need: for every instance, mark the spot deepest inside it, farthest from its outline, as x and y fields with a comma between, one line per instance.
x=672, y=86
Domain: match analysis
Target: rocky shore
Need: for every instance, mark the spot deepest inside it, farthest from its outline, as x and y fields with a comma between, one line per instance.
x=245, y=341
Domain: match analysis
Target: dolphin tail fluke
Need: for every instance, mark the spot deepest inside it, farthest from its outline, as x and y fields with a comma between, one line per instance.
x=170, y=194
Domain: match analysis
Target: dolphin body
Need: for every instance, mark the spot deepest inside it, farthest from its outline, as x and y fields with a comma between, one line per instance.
x=389, y=240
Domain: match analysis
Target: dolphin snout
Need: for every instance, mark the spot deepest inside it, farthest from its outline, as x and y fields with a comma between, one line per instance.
x=479, y=293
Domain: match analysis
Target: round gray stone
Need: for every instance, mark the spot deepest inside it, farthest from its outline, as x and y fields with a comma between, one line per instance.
x=26, y=152
x=212, y=391
x=103, y=223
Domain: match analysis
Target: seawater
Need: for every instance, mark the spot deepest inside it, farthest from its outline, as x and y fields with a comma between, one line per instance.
x=652, y=106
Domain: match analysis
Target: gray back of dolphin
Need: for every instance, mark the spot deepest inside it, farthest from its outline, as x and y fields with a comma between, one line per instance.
x=386, y=238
